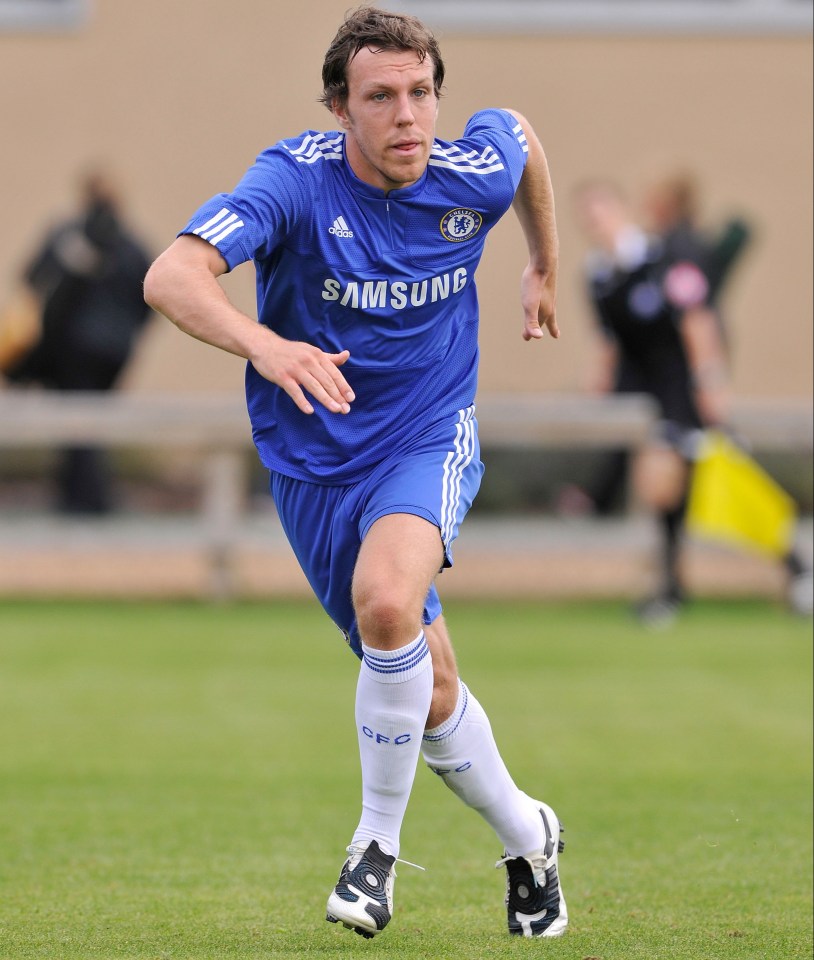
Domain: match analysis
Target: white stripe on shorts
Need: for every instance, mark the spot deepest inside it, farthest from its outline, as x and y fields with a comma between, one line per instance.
x=457, y=460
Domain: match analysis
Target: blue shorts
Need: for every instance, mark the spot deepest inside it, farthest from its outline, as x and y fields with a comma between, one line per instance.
x=436, y=478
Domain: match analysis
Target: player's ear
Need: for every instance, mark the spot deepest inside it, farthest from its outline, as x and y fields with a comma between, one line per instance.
x=339, y=110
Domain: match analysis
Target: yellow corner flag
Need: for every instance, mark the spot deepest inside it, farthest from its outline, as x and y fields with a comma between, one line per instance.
x=732, y=499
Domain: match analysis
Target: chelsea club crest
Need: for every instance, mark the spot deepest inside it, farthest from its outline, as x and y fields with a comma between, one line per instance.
x=460, y=224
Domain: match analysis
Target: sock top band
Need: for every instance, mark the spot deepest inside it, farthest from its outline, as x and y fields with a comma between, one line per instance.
x=395, y=666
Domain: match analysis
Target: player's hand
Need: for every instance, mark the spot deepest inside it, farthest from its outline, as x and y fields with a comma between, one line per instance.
x=296, y=367
x=538, y=295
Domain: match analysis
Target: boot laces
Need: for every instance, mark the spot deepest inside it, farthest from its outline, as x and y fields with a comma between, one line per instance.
x=537, y=861
x=357, y=852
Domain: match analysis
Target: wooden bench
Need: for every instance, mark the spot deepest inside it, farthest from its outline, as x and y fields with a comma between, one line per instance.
x=216, y=427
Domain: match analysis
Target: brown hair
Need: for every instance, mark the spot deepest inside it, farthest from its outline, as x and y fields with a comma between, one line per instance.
x=672, y=200
x=380, y=30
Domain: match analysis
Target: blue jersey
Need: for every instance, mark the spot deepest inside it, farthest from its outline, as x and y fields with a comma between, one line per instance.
x=389, y=277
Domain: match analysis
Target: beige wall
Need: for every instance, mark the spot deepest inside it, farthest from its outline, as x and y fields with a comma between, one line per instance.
x=180, y=96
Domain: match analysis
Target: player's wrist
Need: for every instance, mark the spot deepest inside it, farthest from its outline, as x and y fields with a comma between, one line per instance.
x=709, y=376
x=544, y=265
x=260, y=341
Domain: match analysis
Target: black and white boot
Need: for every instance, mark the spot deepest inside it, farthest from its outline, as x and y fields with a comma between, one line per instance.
x=362, y=899
x=534, y=900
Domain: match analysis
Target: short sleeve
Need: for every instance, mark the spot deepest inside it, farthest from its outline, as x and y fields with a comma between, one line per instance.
x=686, y=286
x=255, y=218
x=502, y=132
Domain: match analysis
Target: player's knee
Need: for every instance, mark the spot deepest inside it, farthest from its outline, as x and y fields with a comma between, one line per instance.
x=660, y=478
x=386, y=618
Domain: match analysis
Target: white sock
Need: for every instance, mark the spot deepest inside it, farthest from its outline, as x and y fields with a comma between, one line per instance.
x=463, y=752
x=392, y=702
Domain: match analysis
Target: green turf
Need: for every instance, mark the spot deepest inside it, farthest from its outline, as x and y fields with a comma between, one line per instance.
x=180, y=780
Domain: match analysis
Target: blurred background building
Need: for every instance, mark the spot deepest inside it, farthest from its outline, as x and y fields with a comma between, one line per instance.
x=178, y=98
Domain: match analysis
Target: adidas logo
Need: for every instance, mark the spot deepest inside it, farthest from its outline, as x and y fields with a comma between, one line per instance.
x=340, y=228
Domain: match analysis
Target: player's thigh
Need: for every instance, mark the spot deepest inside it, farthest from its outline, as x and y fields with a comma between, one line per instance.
x=412, y=507
x=436, y=480
x=398, y=560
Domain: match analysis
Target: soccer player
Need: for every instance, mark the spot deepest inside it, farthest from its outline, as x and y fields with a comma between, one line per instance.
x=360, y=387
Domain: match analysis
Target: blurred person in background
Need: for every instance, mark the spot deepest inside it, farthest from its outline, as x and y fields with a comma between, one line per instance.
x=86, y=280
x=670, y=208
x=659, y=334
x=671, y=211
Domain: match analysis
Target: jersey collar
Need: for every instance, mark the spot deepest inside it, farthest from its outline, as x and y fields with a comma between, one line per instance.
x=376, y=193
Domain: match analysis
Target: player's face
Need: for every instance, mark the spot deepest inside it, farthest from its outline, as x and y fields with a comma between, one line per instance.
x=389, y=117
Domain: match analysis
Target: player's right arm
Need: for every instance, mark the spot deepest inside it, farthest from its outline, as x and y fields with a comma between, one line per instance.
x=183, y=285
x=706, y=356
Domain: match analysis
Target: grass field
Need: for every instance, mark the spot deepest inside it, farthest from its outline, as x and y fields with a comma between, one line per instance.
x=180, y=781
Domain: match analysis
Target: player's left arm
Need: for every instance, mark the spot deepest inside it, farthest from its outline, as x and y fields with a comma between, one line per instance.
x=706, y=356
x=534, y=205
x=687, y=289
